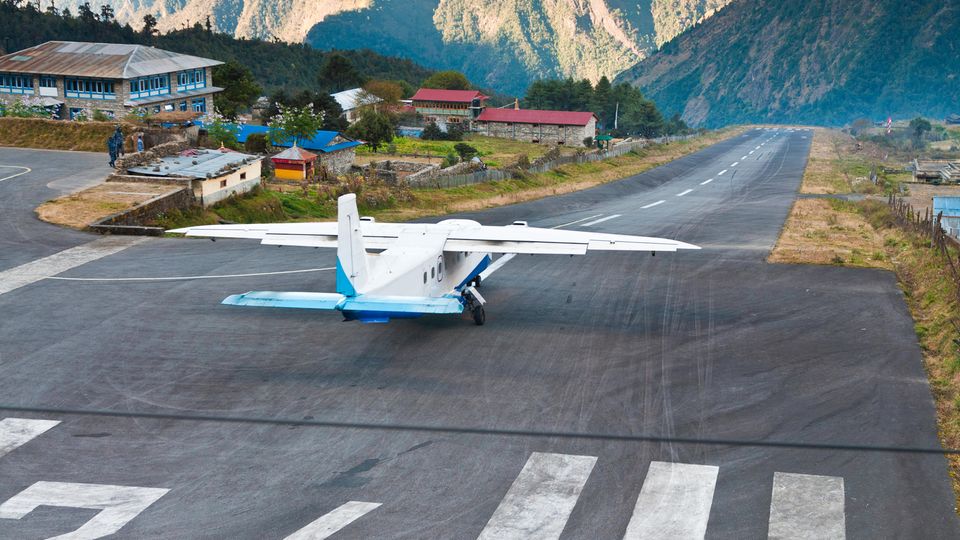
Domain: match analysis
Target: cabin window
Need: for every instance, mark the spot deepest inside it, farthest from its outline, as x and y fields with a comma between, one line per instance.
x=424, y=278
x=432, y=272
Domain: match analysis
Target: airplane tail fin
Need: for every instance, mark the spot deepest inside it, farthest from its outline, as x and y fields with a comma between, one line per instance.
x=352, y=267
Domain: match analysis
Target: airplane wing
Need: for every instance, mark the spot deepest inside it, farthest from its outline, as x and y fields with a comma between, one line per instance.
x=517, y=239
x=473, y=237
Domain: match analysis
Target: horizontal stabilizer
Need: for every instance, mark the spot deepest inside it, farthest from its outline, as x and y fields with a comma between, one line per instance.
x=300, y=300
x=412, y=305
x=403, y=304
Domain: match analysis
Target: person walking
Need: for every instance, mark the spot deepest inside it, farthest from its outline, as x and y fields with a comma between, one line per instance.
x=139, y=142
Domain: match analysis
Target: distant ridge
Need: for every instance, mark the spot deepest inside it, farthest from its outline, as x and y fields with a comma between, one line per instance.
x=819, y=62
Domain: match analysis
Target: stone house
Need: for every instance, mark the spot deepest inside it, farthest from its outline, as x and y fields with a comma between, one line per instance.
x=335, y=151
x=566, y=128
x=353, y=102
x=213, y=175
x=448, y=107
x=70, y=77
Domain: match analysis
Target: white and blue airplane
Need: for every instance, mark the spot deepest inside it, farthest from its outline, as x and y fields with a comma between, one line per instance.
x=405, y=270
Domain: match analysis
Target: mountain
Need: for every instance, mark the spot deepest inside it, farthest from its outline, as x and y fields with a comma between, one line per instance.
x=817, y=61
x=500, y=44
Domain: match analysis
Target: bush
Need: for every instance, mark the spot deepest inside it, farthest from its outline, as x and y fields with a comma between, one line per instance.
x=588, y=142
x=465, y=151
x=450, y=160
x=256, y=143
x=432, y=132
x=100, y=116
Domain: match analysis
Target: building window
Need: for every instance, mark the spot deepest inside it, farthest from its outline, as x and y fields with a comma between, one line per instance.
x=191, y=80
x=243, y=176
x=75, y=112
x=154, y=85
x=223, y=183
x=89, y=89
x=183, y=105
x=48, y=82
x=16, y=84
x=156, y=109
x=199, y=105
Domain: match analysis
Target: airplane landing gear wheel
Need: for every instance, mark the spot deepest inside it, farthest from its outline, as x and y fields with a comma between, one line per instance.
x=476, y=281
x=479, y=316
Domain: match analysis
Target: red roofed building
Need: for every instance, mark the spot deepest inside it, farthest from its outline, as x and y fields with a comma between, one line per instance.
x=448, y=107
x=544, y=127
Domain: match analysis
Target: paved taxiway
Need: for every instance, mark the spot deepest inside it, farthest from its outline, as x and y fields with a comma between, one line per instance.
x=711, y=345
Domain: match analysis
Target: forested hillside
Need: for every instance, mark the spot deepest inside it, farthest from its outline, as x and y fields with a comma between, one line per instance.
x=819, y=62
x=274, y=65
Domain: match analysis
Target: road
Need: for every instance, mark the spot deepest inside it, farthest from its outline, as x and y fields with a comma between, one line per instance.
x=609, y=396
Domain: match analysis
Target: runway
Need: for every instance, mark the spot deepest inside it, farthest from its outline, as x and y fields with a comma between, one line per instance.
x=618, y=395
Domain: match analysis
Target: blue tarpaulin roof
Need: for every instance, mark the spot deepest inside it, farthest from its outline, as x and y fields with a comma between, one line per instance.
x=319, y=143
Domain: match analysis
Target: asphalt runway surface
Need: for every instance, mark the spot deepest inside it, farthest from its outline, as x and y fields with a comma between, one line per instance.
x=612, y=395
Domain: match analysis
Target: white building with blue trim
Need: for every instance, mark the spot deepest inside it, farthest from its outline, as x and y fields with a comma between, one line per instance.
x=113, y=78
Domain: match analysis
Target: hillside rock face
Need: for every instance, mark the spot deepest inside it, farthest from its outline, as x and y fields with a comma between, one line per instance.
x=502, y=44
x=822, y=62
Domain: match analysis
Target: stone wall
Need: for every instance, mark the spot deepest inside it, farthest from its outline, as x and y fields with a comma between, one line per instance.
x=338, y=162
x=435, y=171
x=137, y=159
x=134, y=220
x=538, y=133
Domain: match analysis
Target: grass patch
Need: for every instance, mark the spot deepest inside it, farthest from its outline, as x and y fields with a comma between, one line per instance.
x=60, y=135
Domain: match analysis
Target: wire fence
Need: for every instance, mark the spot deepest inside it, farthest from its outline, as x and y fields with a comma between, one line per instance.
x=495, y=175
x=928, y=225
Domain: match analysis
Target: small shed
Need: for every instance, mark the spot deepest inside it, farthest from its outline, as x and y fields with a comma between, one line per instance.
x=950, y=208
x=294, y=163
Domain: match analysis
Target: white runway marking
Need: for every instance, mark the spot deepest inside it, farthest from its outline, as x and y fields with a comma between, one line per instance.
x=757, y=148
x=15, y=432
x=735, y=163
x=705, y=182
x=806, y=506
x=540, y=500
x=651, y=205
x=34, y=271
x=333, y=521
x=179, y=278
x=743, y=158
x=682, y=193
x=601, y=220
x=117, y=504
x=674, y=502
x=721, y=173
x=24, y=170
x=575, y=222
x=751, y=152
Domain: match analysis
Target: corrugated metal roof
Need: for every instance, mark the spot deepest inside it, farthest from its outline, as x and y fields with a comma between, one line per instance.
x=195, y=164
x=100, y=60
x=534, y=116
x=295, y=153
x=355, y=97
x=455, y=96
x=320, y=142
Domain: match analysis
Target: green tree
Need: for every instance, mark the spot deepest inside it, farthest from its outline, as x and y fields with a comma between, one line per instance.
x=919, y=126
x=338, y=74
x=465, y=151
x=219, y=132
x=149, y=25
x=447, y=80
x=240, y=89
x=373, y=128
x=294, y=124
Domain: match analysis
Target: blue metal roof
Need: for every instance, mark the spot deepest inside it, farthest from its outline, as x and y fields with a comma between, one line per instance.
x=320, y=142
x=950, y=206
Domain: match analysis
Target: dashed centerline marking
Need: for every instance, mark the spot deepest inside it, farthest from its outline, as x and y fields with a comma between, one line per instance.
x=743, y=158
x=575, y=222
x=721, y=173
x=682, y=193
x=601, y=220
x=751, y=152
x=705, y=182
x=735, y=163
x=651, y=205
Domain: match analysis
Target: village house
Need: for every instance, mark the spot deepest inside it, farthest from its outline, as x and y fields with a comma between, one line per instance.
x=335, y=151
x=353, y=102
x=213, y=175
x=448, y=107
x=74, y=78
x=544, y=127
